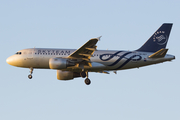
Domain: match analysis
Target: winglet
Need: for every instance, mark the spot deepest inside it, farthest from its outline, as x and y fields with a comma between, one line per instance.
x=161, y=53
x=99, y=38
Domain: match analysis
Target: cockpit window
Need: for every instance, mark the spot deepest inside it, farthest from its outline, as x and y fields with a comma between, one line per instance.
x=18, y=53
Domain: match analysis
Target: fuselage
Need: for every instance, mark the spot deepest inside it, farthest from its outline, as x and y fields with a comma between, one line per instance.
x=101, y=59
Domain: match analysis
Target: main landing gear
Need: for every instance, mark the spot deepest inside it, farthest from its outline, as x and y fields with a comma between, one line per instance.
x=30, y=75
x=87, y=80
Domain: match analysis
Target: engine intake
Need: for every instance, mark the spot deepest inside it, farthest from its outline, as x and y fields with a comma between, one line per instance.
x=60, y=63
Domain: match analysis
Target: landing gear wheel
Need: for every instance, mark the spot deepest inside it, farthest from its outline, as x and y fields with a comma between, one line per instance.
x=30, y=76
x=87, y=81
x=83, y=74
x=31, y=71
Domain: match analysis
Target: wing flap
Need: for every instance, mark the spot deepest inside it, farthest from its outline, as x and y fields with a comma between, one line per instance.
x=87, y=55
x=92, y=49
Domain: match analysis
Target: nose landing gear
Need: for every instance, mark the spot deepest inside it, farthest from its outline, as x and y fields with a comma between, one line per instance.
x=30, y=75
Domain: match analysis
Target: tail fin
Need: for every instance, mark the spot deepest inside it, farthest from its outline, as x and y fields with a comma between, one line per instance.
x=158, y=40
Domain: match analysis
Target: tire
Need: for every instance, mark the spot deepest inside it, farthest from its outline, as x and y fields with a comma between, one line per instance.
x=30, y=76
x=83, y=74
x=87, y=81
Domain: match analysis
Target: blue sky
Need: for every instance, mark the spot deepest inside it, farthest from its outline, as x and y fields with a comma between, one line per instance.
x=150, y=92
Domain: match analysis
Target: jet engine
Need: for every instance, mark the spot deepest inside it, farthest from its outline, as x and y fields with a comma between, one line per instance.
x=67, y=75
x=60, y=63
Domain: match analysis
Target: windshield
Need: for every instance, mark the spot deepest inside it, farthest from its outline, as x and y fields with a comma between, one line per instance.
x=18, y=53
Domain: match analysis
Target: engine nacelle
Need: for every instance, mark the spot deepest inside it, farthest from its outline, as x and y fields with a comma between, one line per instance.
x=66, y=75
x=60, y=63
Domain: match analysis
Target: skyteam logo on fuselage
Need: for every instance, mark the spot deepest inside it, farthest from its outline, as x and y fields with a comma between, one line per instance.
x=160, y=37
x=127, y=56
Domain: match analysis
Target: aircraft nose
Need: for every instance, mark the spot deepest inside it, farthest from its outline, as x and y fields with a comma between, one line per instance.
x=9, y=60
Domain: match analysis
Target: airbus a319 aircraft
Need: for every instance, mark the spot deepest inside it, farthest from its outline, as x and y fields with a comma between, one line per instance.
x=71, y=63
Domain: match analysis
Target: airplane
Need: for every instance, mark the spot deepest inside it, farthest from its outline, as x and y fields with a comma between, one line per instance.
x=73, y=63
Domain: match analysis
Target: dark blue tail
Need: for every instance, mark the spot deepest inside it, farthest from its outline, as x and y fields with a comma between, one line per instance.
x=158, y=40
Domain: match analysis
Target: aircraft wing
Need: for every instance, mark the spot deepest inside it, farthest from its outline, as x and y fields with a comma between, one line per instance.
x=85, y=52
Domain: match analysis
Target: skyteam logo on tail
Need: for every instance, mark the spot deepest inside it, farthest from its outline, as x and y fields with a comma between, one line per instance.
x=160, y=38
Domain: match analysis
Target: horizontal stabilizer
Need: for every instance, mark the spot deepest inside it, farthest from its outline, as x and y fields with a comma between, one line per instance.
x=161, y=53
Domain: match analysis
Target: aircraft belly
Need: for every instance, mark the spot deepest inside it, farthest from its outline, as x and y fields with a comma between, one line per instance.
x=142, y=63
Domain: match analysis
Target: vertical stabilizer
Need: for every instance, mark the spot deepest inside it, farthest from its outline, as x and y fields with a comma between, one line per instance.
x=158, y=40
